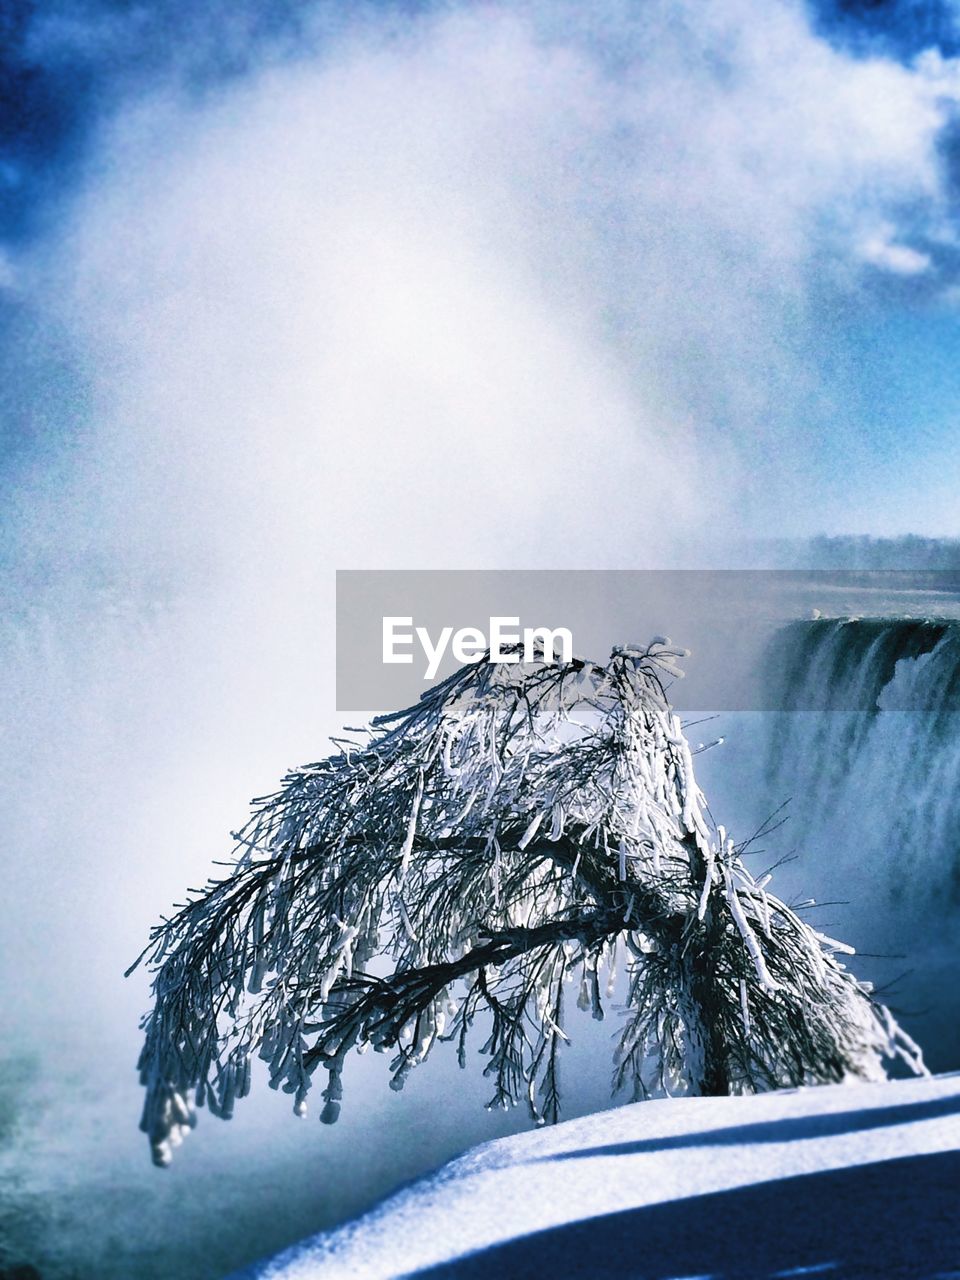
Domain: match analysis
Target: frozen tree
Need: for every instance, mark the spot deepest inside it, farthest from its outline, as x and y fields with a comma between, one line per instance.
x=522, y=827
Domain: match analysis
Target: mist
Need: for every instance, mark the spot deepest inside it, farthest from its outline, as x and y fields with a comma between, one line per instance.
x=510, y=286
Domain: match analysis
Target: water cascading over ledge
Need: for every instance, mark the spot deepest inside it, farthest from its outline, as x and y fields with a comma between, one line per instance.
x=865, y=745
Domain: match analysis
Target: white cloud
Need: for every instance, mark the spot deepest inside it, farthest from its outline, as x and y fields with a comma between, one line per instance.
x=432, y=269
x=882, y=251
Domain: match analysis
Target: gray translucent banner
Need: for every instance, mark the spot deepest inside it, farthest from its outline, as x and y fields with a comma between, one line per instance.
x=759, y=640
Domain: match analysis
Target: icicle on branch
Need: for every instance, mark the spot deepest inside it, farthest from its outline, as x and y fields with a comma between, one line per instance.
x=508, y=834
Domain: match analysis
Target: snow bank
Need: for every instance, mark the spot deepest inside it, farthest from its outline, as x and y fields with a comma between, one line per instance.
x=848, y=1181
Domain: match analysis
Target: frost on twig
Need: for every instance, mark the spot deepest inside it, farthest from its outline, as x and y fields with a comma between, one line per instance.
x=523, y=825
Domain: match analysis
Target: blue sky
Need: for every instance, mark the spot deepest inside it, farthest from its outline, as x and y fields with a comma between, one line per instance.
x=62, y=65
x=65, y=63
x=772, y=290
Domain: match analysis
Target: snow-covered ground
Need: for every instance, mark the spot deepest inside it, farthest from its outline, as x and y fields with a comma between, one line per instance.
x=850, y=1181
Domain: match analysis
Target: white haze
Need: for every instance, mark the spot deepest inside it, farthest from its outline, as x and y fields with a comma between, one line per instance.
x=517, y=287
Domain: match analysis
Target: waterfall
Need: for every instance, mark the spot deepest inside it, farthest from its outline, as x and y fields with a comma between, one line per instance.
x=865, y=745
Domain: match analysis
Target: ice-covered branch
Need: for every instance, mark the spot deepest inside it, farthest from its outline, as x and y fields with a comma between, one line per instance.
x=477, y=852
